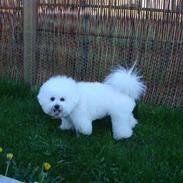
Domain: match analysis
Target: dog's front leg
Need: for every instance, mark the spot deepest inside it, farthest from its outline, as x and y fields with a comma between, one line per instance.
x=66, y=124
x=82, y=125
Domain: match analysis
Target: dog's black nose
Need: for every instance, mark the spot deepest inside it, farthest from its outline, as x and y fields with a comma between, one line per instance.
x=56, y=106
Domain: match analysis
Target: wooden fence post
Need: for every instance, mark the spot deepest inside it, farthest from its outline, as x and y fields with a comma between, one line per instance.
x=30, y=20
x=85, y=41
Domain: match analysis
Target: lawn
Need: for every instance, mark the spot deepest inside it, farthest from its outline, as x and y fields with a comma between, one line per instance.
x=153, y=154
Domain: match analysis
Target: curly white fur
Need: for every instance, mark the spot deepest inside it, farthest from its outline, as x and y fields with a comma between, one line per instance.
x=126, y=82
x=80, y=103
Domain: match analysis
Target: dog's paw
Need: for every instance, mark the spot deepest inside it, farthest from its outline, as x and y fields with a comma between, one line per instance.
x=86, y=131
x=65, y=127
x=126, y=133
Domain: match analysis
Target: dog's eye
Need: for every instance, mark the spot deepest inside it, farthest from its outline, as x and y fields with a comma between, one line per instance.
x=52, y=98
x=62, y=99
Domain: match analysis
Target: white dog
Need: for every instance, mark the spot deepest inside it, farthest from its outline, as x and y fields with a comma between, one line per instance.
x=79, y=103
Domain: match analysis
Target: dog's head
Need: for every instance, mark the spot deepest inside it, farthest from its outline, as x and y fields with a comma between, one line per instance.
x=58, y=96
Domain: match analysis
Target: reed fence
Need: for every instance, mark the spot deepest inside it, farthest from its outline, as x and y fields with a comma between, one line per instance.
x=86, y=38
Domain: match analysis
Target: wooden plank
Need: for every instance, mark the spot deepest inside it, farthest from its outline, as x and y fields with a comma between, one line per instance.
x=30, y=21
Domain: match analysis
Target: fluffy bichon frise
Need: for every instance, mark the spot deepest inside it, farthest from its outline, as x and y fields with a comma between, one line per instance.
x=77, y=104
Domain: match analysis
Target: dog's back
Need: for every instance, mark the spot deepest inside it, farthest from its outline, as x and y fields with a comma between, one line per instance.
x=100, y=99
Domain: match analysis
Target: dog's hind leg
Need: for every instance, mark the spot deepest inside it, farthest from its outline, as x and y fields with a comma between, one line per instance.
x=121, y=126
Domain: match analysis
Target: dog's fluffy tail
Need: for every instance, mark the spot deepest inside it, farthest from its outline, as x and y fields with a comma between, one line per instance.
x=126, y=81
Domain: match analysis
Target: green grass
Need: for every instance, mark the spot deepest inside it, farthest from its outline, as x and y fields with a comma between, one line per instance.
x=153, y=154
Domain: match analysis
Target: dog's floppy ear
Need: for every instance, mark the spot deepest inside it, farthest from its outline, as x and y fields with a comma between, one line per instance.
x=40, y=98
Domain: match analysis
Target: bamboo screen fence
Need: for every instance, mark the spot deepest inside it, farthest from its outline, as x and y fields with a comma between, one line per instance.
x=86, y=38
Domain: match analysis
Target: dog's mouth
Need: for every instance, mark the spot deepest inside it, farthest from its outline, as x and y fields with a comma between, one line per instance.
x=56, y=113
x=56, y=110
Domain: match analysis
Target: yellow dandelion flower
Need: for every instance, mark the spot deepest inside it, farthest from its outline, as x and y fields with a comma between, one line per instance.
x=1, y=149
x=46, y=166
x=9, y=156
